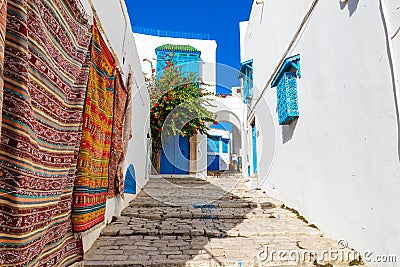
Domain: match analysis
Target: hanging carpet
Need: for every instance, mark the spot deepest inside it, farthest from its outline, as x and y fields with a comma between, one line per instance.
x=45, y=76
x=91, y=184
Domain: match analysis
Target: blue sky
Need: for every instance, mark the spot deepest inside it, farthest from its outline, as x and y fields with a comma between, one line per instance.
x=219, y=18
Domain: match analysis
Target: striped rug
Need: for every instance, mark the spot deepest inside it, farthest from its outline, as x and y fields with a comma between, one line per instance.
x=91, y=184
x=116, y=177
x=3, y=18
x=127, y=133
x=45, y=77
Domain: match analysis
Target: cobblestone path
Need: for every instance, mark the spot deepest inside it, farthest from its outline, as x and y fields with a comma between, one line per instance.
x=215, y=222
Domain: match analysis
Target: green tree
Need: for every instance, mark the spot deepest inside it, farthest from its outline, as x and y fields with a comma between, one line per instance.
x=178, y=104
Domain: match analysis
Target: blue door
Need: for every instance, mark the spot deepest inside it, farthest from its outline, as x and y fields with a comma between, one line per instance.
x=168, y=156
x=213, y=151
x=182, y=156
x=175, y=156
x=213, y=162
x=254, y=144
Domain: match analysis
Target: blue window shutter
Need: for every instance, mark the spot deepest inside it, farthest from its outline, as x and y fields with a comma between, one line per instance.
x=225, y=145
x=213, y=144
x=288, y=109
x=188, y=58
x=246, y=69
x=286, y=83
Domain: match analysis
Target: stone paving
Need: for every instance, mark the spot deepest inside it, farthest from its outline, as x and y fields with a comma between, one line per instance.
x=211, y=222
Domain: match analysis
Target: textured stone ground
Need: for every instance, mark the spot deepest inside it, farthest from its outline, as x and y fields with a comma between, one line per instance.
x=214, y=222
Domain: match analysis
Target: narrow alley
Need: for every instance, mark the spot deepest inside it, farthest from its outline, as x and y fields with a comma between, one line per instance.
x=208, y=222
x=199, y=133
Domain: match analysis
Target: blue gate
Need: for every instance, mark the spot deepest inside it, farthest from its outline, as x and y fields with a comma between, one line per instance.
x=175, y=156
x=254, y=145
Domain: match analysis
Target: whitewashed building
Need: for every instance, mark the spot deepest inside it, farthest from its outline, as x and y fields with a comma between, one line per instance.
x=147, y=44
x=180, y=156
x=231, y=109
x=322, y=81
x=219, y=150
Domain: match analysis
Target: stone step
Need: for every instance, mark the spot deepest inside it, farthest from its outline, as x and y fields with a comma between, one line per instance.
x=211, y=232
x=151, y=203
x=192, y=222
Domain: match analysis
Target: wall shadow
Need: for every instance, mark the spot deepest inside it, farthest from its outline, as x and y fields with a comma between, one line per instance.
x=288, y=131
x=351, y=6
x=171, y=222
x=393, y=76
x=203, y=222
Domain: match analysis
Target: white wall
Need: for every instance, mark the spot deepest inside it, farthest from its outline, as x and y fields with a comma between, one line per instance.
x=148, y=43
x=339, y=165
x=242, y=30
x=115, y=21
x=201, y=156
x=390, y=11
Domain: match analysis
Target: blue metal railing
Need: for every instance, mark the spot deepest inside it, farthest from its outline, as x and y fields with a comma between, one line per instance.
x=186, y=35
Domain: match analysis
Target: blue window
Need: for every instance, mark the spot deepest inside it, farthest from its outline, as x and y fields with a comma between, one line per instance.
x=213, y=144
x=225, y=145
x=286, y=83
x=185, y=56
x=246, y=72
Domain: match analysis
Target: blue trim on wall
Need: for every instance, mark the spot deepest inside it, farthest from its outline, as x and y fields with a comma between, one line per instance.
x=244, y=64
x=293, y=61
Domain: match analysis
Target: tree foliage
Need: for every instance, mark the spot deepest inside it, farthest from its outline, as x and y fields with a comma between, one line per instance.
x=178, y=103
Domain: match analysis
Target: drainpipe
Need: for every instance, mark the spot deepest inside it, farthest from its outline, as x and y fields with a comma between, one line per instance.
x=244, y=134
x=284, y=56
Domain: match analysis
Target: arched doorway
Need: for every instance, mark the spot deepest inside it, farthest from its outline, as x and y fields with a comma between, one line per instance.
x=231, y=142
